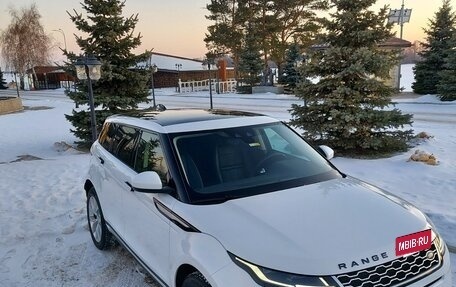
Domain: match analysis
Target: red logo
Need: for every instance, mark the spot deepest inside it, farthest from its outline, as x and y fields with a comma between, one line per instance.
x=413, y=242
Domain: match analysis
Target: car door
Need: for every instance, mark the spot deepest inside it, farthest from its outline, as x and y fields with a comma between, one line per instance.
x=146, y=229
x=117, y=161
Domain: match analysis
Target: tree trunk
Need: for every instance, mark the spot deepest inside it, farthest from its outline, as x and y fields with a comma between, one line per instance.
x=21, y=81
x=34, y=77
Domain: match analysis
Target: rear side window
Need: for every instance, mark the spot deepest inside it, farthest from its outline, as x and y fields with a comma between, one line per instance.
x=120, y=141
x=106, y=138
x=150, y=157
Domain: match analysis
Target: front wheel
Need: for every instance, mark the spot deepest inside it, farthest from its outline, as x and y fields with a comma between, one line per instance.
x=195, y=279
x=99, y=232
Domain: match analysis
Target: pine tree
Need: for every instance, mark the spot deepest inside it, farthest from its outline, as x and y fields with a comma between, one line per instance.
x=225, y=36
x=348, y=108
x=3, y=84
x=447, y=86
x=294, y=20
x=265, y=23
x=290, y=75
x=250, y=65
x=435, y=50
x=109, y=37
x=277, y=24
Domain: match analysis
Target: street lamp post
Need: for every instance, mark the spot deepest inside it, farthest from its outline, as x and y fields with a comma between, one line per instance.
x=178, y=67
x=17, y=86
x=64, y=38
x=89, y=68
x=209, y=62
x=154, y=70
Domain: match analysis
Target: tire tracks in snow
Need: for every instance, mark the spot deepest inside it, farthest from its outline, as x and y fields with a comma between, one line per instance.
x=452, y=249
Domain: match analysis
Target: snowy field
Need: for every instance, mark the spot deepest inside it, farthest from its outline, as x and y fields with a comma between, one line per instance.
x=44, y=238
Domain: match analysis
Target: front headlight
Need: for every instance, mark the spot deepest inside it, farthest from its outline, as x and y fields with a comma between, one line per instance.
x=272, y=278
x=436, y=238
x=439, y=244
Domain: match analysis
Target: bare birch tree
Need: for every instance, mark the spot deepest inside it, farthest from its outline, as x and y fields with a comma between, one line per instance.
x=24, y=43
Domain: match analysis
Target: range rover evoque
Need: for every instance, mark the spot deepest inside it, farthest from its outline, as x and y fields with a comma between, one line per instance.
x=233, y=199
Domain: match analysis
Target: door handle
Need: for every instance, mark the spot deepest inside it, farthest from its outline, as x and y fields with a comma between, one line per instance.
x=101, y=160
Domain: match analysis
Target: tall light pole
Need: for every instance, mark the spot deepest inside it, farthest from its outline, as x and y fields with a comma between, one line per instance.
x=17, y=86
x=89, y=68
x=209, y=62
x=154, y=69
x=400, y=16
x=178, y=67
x=64, y=38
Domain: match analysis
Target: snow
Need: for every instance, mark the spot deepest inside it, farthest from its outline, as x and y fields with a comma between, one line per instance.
x=44, y=238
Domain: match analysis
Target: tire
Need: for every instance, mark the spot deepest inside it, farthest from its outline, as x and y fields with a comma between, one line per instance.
x=99, y=232
x=195, y=279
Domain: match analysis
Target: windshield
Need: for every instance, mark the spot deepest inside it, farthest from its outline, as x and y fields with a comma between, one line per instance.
x=243, y=161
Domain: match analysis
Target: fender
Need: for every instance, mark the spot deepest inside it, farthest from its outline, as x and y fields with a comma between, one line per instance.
x=194, y=248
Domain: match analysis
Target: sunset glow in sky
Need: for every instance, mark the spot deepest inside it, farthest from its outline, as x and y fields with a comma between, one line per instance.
x=178, y=27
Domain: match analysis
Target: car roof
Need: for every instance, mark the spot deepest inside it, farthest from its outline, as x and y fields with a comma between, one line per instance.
x=182, y=120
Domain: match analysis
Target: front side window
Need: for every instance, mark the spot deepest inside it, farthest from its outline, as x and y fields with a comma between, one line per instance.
x=243, y=161
x=150, y=157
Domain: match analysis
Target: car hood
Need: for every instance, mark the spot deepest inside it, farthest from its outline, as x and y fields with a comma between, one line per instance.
x=310, y=229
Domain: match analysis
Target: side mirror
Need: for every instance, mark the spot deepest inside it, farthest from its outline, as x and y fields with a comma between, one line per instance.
x=147, y=182
x=326, y=151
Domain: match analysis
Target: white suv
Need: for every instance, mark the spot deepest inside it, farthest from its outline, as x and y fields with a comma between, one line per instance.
x=223, y=198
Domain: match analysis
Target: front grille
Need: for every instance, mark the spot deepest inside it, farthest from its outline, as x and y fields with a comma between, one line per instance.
x=394, y=273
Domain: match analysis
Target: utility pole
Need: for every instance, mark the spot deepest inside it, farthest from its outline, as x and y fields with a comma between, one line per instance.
x=402, y=19
x=400, y=16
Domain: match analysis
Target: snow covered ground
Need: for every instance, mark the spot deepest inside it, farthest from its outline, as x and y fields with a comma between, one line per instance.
x=44, y=239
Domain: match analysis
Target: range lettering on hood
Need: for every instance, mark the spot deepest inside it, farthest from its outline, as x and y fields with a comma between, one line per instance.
x=363, y=261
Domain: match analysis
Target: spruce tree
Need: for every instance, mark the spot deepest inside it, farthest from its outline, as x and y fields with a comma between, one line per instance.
x=447, y=86
x=290, y=75
x=435, y=50
x=3, y=84
x=109, y=36
x=348, y=108
x=250, y=65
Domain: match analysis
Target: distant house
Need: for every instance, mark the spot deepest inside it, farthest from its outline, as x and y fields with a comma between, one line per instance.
x=172, y=68
x=51, y=77
x=399, y=45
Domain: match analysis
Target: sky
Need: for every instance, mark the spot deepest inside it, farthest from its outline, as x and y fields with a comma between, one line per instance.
x=177, y=27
